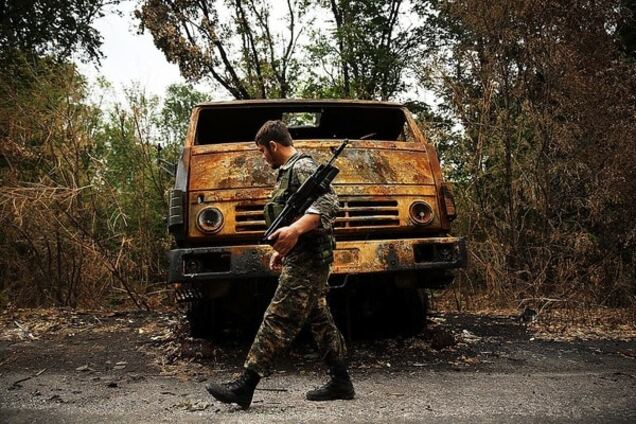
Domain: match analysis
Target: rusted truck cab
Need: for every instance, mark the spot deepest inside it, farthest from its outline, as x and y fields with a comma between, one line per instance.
x=395, y=208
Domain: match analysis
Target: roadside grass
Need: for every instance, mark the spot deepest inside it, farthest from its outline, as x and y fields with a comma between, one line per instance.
x=547, y=318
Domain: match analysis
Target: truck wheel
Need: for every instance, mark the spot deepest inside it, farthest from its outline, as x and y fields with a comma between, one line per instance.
x=414, y=304
x=201, y=317
x=385, y=309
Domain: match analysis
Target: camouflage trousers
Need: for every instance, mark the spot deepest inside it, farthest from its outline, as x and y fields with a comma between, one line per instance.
x=300, y=299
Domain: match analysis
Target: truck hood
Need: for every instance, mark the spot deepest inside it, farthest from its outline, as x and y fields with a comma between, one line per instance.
x=215, y=167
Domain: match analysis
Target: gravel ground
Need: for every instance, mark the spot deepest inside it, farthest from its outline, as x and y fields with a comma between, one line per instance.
x=136, y=367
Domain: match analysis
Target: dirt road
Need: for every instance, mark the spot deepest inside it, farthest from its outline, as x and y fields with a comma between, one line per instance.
x=136, y=367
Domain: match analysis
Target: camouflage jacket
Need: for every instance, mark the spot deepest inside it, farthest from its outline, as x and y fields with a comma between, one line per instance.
x=326, y=205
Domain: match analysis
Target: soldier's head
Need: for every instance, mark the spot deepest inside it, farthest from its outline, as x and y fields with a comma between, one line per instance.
x=275, y=143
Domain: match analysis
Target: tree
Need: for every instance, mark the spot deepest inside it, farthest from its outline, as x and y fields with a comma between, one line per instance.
x=82, y=199
x=365, y=54
x=49, y=239
x=546, y=101
x=55, y=28
x=245, y=55
x=174, y=117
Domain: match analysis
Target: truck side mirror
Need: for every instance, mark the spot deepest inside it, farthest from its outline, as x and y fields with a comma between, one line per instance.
x=168, y=167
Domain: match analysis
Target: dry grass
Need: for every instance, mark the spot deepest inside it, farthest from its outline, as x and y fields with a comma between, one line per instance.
x=591, y=324
x=554, y=320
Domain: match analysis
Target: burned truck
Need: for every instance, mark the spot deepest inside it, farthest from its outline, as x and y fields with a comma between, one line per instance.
x=392, y=231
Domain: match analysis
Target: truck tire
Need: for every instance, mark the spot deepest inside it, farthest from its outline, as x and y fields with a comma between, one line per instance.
x=382, y=309
x=201, y=316
x=413, y=303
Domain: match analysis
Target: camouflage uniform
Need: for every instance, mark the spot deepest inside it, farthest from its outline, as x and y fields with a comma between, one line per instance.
x=302, y=288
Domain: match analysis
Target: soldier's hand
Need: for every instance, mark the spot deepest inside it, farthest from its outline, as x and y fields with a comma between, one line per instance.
x=276, y=262
x=285, y=240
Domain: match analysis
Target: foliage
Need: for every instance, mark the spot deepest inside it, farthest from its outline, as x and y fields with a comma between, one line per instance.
x=55, y=28
x=365, y=55
x=46, y=154
x=245, y=55
x=543, y=164
x=82, y=201
x=174, y=116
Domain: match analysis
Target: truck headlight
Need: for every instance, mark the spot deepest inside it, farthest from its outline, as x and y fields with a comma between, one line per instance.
x=421, y=213
x=210, y=220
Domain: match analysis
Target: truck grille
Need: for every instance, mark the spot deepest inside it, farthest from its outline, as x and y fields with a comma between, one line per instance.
x=353, y=214
x=250, y=218
x=368, y=213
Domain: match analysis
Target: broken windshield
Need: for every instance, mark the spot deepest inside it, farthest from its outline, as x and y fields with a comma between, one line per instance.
x=239, y=123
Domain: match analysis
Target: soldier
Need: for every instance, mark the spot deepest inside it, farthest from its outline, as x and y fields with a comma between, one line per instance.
x=303, y=252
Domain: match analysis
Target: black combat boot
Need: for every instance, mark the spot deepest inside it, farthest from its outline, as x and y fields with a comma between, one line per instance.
x=239, y=391
x=338, y=387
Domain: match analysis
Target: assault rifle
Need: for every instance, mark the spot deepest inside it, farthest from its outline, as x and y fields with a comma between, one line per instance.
x=314, y=187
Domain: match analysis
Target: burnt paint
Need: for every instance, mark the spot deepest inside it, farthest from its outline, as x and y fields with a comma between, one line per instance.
x=234, y=170
x=378, y=164
x=250, y=262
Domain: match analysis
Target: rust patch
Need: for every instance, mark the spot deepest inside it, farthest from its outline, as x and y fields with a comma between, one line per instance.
x=238, y=162
x=231, y=170
x=388, y=257
x=250, y=261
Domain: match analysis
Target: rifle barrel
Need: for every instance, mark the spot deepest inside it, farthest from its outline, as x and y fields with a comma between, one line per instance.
x=338, y=151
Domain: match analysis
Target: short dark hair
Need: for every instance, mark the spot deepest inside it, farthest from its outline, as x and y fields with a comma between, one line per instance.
x=273, y=131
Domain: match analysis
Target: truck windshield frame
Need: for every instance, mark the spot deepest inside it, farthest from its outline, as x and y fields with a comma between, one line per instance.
x=239, y=124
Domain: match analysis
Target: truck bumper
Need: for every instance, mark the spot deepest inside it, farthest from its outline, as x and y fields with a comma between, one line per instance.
x=350, y=257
